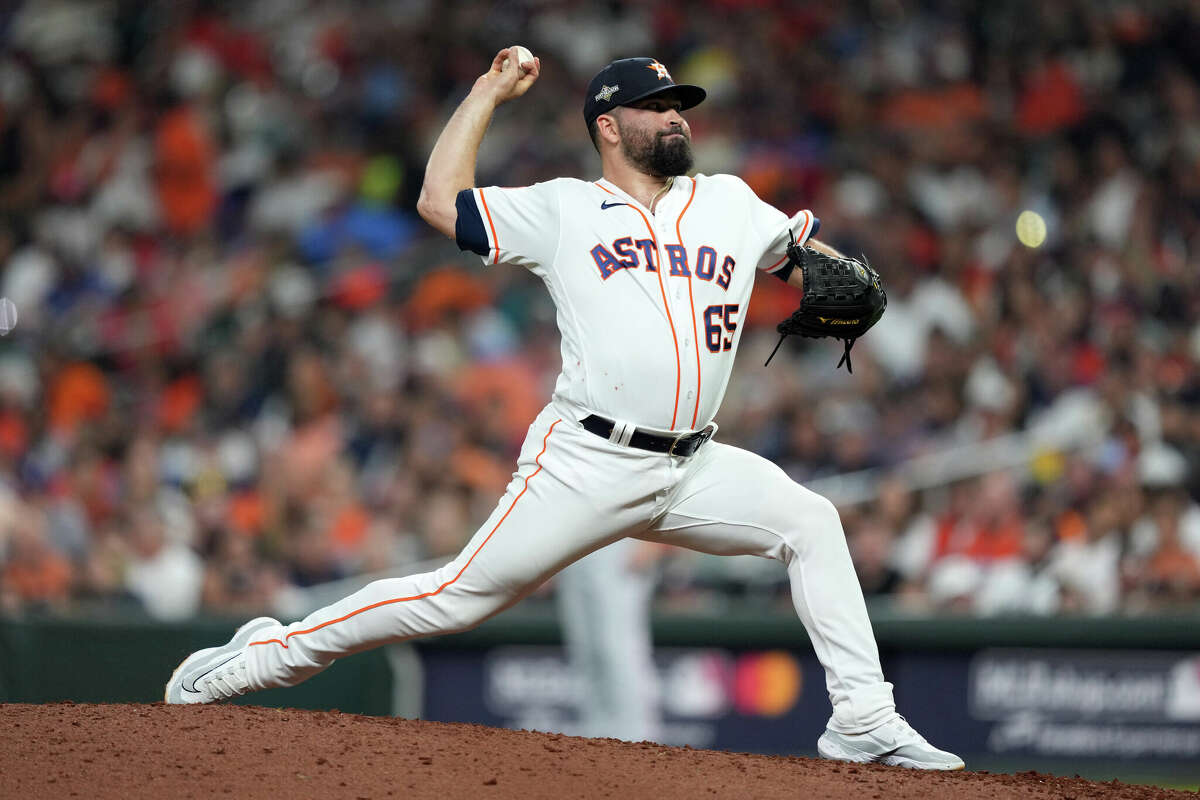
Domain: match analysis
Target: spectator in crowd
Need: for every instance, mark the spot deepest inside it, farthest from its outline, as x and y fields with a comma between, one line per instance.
x=35, y=573
x=165, y=576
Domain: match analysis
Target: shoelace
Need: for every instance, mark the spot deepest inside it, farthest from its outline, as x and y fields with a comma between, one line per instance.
x=228, y=682
x=903, y=733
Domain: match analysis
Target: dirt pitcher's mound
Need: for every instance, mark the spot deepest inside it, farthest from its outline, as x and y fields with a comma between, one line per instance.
x=157, y=751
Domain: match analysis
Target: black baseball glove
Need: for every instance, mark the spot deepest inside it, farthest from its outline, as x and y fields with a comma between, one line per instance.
x=843, y=298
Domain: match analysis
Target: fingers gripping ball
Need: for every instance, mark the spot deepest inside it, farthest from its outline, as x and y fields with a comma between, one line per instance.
x=843, y=298
x=522, y=54
x=505, y=80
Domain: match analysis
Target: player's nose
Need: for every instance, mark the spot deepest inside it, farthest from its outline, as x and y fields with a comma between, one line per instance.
x=676, y=126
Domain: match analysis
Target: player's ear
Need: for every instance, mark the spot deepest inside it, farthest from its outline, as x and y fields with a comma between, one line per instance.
x=607, y=129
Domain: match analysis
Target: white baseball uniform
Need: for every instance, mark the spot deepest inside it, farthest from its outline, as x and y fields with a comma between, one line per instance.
x=650, y=308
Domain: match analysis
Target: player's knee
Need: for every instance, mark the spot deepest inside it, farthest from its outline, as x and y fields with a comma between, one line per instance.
x=813, y=521
x=825, y=514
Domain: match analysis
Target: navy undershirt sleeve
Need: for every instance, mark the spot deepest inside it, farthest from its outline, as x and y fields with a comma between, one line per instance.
x=469, y=232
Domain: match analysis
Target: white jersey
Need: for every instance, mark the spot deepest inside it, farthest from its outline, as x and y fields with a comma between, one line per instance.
x=650, y=305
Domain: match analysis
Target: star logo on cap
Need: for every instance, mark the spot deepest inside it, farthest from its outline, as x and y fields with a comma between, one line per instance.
x=606, y=93
x=661, y=70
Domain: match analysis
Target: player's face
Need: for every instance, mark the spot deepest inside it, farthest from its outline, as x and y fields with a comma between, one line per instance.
x=655, y=138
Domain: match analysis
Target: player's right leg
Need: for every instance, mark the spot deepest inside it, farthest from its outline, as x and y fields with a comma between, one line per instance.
x=573, y=493
x=734, y=502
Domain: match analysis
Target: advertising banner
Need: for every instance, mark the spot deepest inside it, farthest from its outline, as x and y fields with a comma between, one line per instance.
x=1069, y=705
x=1129, y=705
x=762, y=701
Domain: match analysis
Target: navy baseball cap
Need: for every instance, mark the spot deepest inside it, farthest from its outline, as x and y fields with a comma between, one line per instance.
x=628, y=80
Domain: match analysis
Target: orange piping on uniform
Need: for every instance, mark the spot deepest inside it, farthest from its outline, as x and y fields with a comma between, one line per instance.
x=692, y=301
x=807, y=227
x=666, y=307
x=492, y=225
x=536, y=460
x=803, y=233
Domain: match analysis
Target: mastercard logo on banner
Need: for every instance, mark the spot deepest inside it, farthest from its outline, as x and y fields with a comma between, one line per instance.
x=767, y=684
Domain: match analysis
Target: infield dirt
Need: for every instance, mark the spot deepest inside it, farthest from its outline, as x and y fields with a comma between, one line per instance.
x=157, y=751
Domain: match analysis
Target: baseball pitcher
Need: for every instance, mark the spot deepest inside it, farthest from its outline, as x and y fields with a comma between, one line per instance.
x=651, y=272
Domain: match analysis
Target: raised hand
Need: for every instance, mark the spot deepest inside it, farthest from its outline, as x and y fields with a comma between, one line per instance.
x=505, y=81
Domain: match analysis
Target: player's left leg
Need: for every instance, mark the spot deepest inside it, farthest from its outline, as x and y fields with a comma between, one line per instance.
x=572, y=493
x=732, y=502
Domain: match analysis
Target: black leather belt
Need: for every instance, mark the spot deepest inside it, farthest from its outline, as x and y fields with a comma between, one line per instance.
x=682, y=445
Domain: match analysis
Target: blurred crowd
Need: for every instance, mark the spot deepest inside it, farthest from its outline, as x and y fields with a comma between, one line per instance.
x=242, y=366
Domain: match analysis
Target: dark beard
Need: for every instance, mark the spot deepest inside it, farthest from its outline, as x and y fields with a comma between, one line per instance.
x=660, y=157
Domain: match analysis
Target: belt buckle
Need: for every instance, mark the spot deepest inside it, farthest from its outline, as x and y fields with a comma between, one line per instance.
x=701, y=437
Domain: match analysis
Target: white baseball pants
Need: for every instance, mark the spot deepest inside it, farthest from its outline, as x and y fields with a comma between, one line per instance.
x=575, y=492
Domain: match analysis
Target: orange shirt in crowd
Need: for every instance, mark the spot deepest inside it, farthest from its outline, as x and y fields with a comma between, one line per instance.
x=995, y=542
x=1052, y=101
x=349, y=528
x=445, y=290
x=79, y=392
x=180, y=401
x=186, y=172
x=506, y=391
x=44, y=578
x=934, y=108
x=1173, y=566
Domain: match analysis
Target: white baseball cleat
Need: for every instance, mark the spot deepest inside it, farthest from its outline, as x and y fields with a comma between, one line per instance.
x=215, y=673
x=894, y=743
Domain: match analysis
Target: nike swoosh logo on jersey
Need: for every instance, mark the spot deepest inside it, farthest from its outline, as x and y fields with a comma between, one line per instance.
x=607, y=205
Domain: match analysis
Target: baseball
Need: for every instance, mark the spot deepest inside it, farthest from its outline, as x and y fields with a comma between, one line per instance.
x=523, y=56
